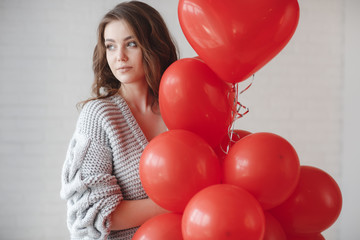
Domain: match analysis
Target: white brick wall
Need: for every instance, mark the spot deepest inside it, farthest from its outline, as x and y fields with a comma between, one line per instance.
x=349, y=224
x=45, y=69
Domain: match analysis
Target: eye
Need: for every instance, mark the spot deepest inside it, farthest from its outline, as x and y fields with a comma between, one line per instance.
x=110, y=47
x=132, y=44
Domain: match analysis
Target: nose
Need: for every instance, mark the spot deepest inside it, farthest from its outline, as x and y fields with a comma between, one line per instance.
x=121, y=55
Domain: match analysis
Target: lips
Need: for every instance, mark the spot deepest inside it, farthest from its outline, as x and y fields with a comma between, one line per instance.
x=124, y=69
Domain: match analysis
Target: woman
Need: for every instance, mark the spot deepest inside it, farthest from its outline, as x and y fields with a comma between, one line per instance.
x=100, y=179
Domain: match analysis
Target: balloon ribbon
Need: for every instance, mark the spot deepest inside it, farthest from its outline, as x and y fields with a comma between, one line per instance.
x=238, y=111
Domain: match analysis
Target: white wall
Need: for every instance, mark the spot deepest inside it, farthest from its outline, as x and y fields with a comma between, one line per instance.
x=45, y=69
x=351, y=118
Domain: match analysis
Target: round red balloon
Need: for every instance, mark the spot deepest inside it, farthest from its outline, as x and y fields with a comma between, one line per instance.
x=313, y=206
x=264, y=164
x=193, y=98
x=237, y=38
x=175, y=165
x=223, y=212
x=273, y=229
x=162, y=227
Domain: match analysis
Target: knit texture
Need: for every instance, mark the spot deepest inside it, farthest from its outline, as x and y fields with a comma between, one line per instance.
x=101, y=168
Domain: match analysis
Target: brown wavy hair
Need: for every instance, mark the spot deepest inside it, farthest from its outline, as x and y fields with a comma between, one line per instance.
x=154, y=39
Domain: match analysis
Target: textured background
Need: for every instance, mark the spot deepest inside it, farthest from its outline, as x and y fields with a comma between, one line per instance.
x=308, y=94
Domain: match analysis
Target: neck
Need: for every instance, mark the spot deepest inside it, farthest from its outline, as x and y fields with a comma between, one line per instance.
x=137, y=96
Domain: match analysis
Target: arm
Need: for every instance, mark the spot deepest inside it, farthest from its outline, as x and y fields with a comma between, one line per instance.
x=91, y=191
x=133, y=213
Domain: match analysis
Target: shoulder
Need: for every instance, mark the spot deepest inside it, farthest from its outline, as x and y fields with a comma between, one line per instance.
x=97, y=106
x=98, y=115
x=102, y=108
x=105, y=116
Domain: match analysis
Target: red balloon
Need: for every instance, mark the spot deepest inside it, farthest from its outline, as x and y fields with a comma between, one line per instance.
x=175, y=165
x=226, y=144
x=264, y=164
x=193, y=98
x=223, y=212
x=237, y=38
x=315, y=236
x=273, y=229
x=313, y=206
x=162, y=227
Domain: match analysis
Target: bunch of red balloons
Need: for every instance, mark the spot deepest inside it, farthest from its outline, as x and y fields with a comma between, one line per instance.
x=255, y=190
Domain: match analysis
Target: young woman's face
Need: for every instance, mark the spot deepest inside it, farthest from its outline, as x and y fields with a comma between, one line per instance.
x=123, y=54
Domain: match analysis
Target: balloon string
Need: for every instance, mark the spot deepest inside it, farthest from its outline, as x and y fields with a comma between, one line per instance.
x=238, y=112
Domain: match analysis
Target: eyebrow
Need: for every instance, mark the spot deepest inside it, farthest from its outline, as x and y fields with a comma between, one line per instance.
x=125, y=39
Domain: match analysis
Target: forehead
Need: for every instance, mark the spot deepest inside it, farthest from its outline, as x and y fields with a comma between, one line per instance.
x=118, y=29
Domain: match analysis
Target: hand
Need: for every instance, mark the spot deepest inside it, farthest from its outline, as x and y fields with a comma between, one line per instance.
x=133, y=213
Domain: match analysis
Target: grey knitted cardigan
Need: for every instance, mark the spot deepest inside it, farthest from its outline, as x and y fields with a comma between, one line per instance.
x=101, y=168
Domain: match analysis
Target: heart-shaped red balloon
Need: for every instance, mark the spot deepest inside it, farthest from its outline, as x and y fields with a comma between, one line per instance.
x=238, y=37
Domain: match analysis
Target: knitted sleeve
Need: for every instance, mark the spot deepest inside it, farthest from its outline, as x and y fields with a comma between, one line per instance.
x=88, y=185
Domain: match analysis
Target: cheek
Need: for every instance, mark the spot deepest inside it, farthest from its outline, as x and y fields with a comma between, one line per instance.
x=110, y=59
x=140, y=61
